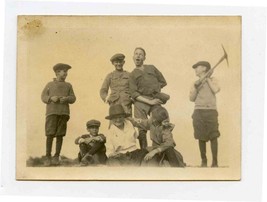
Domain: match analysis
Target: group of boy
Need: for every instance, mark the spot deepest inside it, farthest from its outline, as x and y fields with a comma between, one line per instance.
x=142, y=88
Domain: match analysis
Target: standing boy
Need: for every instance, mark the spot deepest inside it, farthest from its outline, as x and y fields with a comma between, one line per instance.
x=92, y=145
x=205, y=116
x=118, y=82
x=57, y=95
x=145, y=83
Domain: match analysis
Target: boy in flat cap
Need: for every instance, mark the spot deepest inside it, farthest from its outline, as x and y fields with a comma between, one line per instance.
x=57, y=95
x=122, y=146
x=162, y=139
x=145, y=82
x=92, y=145
x=205, y=116
x=118, y=82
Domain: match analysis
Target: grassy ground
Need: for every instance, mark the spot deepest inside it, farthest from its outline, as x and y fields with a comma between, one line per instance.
x=64, y=161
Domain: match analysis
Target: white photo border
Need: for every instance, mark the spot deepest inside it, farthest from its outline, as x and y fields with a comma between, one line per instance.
x=253, y=63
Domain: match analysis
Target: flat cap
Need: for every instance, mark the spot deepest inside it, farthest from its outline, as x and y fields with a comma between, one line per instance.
x=202, y=63
x=93, y=123
x=117, y=56
x=61, y=66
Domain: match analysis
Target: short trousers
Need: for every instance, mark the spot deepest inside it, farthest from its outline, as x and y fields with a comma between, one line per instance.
x=205, y=123
x=56, y=125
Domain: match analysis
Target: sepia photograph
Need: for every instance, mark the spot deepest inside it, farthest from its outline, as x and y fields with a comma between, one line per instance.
x=142, y=98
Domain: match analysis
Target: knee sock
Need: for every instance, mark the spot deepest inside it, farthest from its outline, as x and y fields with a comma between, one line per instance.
x=49, y=142
x=142, y=139
x=202, y=148
x=58, y=145
x=214, y=149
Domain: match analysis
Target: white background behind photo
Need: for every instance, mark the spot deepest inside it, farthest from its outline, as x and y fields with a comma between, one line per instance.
x=245, y=157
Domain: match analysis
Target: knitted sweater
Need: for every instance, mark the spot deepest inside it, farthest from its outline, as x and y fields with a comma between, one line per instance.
x=61, y=89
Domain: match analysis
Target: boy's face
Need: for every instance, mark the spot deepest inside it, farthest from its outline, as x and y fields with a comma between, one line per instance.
x=118, y=64
x=118, y=120
x=200, y=70
x=139, y=57
x=156, y=122
x=93, y=130
x=62, y=74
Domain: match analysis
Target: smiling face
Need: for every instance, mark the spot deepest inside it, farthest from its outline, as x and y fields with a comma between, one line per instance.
x=118, y=64
x=118, y=121
x=61, y=74
x=139, y=57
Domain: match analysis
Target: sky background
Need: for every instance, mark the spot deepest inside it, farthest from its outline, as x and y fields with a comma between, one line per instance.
x=172, y=44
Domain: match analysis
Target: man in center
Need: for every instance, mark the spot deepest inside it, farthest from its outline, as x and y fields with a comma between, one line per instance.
x=145, y=84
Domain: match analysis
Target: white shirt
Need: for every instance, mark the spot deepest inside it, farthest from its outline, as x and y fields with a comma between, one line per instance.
x=121, y=141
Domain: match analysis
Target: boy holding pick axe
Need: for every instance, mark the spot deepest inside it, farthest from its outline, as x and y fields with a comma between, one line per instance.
x=205, y=116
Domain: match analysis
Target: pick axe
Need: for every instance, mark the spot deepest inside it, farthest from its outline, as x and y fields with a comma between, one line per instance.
x=201, y=81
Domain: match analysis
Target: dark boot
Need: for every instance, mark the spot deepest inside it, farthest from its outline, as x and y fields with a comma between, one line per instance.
x=55, y=160
x=47, y=161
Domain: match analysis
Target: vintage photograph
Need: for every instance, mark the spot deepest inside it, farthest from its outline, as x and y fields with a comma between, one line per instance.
x=128, y=98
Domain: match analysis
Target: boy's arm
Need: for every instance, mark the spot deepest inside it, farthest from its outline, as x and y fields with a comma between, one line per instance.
x=167, y=140
x=45, y=95
x=213, y=84
x=78, y=140
x=104, y=88
x=166, y=143
x=140, y=123
x=161, y=78
x=100, y=138
x=155, y=101
x=193, y=94
x=71, y=97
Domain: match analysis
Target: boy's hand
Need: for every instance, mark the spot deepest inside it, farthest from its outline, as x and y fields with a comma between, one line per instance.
x=150, y=155
x=209, y=73
x=155, y=101
x=88, y=140
x=81, y=140
x=63, y=100
x=98, y=138
x=54, y=98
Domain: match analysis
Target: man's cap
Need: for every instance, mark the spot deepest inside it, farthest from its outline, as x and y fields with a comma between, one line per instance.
x=160, y=114
x=93, y=122
x=118, y=56
x=61, y=66
x=202, y=63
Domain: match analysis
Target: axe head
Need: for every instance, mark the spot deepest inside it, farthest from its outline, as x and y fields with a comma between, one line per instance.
x=225, y=56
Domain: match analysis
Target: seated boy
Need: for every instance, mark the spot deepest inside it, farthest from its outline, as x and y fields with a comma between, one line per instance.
x=162, y=140
x=92, y=145
x=122, y=147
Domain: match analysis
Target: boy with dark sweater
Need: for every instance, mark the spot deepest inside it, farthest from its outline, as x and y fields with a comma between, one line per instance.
x=57, y=95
